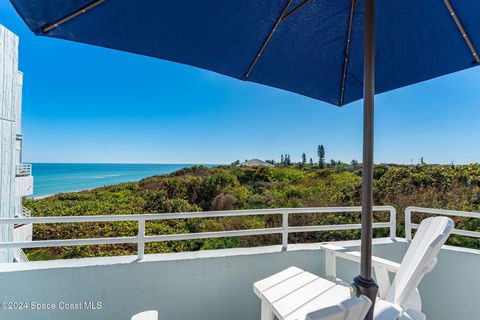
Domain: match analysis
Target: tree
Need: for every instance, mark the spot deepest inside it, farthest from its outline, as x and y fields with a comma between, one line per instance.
x=321, y=156
x=421, y=161
x=311, y=161
x=282, y=159
x=287, y=160
x=304, y=158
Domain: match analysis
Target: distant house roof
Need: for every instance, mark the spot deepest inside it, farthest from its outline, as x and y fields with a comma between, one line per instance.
x=255, y=163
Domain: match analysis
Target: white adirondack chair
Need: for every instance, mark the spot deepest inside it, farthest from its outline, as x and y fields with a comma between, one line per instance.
x=294, y=294
x=146, y=315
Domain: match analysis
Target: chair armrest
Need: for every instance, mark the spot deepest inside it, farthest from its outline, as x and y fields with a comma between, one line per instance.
x=354, y=256
x=381, y=266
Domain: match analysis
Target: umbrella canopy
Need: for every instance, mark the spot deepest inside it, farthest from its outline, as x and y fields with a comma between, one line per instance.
x=327, y=50
x=311, y=47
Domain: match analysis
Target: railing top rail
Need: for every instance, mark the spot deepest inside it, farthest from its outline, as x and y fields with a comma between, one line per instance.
x=188, y=215
x=444, y=212
x=141, y=239
x=455, y=213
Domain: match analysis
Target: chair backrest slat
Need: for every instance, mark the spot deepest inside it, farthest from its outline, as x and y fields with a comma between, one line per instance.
x=420, y=258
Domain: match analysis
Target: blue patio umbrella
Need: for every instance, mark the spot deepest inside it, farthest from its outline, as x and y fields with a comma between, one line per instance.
x=323, y=49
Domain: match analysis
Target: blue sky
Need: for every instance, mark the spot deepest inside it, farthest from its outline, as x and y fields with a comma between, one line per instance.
x=87, y=104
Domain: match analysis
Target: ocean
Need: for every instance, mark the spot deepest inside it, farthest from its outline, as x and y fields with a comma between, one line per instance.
x=53, y=178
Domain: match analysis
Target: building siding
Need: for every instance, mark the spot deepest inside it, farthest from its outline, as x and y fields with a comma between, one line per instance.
x=10, y=100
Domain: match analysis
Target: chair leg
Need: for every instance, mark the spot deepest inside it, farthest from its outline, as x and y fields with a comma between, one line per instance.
x=267, y=313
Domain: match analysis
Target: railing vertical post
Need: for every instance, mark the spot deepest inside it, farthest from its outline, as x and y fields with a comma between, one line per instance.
x=330, y=264
x=141, y=238
x=285, y=230
x=393, y=223
x=408, y=223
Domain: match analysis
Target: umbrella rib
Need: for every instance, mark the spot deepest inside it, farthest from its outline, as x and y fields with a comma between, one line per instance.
x=300, y=6
x=460, y=27
x=267, y=39
x=347, y=52
x=72, y=15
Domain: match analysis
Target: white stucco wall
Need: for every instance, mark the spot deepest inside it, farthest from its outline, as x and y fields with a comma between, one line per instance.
x=213, y=285
x=450, y=291
x=209, y=285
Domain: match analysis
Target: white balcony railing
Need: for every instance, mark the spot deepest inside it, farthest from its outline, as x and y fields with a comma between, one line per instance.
x=452, y=213
x=23, y=169
x=20, y=256
x=24, y=213
x=141, y=239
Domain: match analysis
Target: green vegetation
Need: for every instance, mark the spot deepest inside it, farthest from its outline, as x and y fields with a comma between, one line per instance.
x=321, y=156
x=233, y=187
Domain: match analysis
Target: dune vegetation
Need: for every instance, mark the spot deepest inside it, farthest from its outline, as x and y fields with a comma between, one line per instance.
x=233, y=187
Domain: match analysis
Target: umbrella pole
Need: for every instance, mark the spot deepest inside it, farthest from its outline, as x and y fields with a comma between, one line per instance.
x=364, y=284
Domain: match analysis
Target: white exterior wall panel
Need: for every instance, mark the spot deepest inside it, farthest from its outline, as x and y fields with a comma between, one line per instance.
x=9, y=105
x=23, y=233
x=23, y=187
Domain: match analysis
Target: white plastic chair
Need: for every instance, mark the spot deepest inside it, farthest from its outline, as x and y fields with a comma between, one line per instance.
x=146, y=315
x=294, y=294
x=354, y=308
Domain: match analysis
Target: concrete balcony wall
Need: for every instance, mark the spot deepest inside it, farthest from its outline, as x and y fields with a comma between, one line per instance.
x=214, y=285
x=209, y=285
x=23, y=186
x=450, y=291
